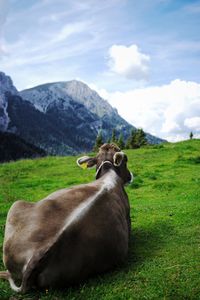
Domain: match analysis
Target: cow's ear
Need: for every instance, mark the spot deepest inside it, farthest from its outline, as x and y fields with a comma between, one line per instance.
x=118, y=158
x=86, y=162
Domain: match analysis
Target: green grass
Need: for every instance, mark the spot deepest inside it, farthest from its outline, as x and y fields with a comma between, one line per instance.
x=164, y=256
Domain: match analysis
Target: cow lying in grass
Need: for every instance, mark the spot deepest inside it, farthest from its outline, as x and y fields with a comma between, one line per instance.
x=73, y=233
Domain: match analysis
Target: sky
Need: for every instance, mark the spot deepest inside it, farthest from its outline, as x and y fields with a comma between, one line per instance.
x=142, y=56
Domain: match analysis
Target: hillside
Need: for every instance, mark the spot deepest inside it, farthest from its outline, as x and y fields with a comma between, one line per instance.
x=62, y=118
x=37, y=128
x=58, y=97
x=64, y=98
x=164, y=255
x=13, y=147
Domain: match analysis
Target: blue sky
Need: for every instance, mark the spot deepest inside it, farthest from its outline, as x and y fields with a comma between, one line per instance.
x=142, y=56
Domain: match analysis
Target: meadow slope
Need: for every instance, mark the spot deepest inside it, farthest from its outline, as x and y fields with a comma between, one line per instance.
x=164, y=256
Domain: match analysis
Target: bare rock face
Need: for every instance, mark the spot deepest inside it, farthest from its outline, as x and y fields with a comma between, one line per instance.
x=64, y=96
x=61, y=117
x=6, y=87
x=42, y=96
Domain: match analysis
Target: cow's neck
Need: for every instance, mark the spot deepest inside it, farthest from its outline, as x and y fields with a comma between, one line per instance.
x=108, y=170
x=104, y=167
x=106, y=184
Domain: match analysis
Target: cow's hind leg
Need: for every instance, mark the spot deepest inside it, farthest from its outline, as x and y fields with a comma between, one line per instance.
x=7, y=276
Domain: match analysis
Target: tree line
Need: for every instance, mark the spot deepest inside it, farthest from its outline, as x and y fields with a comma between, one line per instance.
x=136, y=139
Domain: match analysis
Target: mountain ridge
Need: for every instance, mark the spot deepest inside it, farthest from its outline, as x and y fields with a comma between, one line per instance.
x=61, y=117
x=6, y=85
x=81, y=93
x=12, y=147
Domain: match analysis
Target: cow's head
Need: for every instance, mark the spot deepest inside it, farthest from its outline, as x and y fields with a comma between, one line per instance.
x=109, y=156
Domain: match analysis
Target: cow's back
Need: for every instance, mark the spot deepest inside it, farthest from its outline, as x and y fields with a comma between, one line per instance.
x=97, y=242
x=68, y=236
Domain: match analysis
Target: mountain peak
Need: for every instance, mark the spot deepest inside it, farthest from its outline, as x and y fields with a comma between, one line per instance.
x=6, y=86
x=43, y=95
x=60, y=117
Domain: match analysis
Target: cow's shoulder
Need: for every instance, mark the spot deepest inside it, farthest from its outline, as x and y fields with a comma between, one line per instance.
x=18, y=210
x=19, y=205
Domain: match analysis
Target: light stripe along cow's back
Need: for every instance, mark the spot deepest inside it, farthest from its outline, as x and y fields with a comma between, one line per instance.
x=73, y=233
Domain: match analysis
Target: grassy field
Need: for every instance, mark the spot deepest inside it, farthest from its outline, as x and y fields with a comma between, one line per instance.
x=164, y=256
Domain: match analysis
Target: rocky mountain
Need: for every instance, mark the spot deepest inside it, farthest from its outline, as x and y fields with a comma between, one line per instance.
x=106, y=117
x=61, y=118
x=63, y=95
x=58, y=131
x=6, y=86
x=41, y=96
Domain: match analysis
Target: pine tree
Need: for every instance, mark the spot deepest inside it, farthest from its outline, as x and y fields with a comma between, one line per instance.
x=131, y=141
x=140, y=138
x=120, y=141
x=191, y=135
x=136, y=139
x=114, y=138
x=108, y=140
x=127, y=144
x=99, y=141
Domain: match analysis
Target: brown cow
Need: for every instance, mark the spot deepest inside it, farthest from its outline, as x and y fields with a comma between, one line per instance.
x=73, y=233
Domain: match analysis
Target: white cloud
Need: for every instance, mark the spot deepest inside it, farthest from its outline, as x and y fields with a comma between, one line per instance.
x=46, y=47
x=129, y=62
x=70, y=29
x=169, y=111
x=4, y=8
x=170, y=126
x=193, y=123
x=33, y=41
